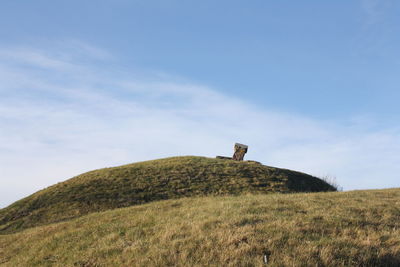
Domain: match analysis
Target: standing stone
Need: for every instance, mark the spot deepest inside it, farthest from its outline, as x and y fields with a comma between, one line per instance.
x=240, y=151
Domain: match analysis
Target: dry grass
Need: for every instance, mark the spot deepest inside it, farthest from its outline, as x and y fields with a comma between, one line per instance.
x=360, y=228
x=149, y=181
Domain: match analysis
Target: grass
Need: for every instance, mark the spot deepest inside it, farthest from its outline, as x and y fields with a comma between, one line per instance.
x=359, y=228
x=149, y=181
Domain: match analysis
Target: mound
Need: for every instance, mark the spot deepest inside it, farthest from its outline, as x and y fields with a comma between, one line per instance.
x=148, y=181
x=359, y=228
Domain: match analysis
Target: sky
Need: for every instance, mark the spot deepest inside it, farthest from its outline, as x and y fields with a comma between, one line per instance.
x=308, y=85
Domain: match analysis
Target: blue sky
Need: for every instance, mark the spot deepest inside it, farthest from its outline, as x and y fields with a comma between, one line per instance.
x=309, y=85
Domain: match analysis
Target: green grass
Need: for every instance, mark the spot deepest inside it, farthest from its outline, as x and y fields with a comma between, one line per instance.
x=359, y=228
x=149, y=181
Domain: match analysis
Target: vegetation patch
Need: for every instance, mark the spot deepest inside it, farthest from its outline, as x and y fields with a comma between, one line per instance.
x=359, y=228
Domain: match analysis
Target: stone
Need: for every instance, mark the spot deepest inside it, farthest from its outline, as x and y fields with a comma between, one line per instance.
x=240, y=151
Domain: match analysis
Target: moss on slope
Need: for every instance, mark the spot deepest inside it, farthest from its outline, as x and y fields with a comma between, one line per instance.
x=148, y=181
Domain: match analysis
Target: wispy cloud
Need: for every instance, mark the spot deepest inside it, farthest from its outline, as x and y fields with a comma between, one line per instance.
x=65, y=112
x=376, y=35
x=371, y=10
x=375, y=10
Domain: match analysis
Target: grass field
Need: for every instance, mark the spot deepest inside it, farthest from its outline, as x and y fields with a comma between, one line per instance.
x=359, y=228
x=149, y=181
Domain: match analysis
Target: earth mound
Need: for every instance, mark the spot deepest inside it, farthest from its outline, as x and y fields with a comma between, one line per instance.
x=148, y=181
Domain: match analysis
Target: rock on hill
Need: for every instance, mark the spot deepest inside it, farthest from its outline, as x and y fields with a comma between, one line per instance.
x=148, y=181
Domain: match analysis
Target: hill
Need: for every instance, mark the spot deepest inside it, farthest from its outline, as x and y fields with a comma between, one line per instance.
x=148, y=181
x=360, y=228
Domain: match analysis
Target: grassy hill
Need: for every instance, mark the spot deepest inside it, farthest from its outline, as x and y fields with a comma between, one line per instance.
x=360, y=228
x=148, y=181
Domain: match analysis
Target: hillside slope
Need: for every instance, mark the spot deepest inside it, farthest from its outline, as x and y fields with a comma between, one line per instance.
x=148, y=181
x=360, y=228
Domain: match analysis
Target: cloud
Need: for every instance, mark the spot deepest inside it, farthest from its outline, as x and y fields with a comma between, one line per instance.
x=375, y=10
x=65, y=111
x=375, y=38
x=372, y=10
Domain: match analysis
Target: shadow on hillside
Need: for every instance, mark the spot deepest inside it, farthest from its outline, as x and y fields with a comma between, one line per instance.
x=387, y=260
